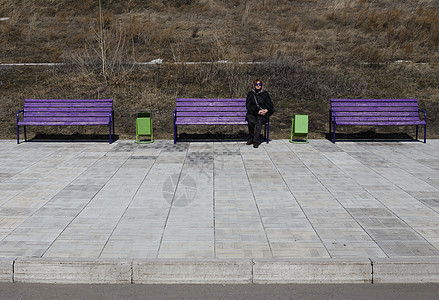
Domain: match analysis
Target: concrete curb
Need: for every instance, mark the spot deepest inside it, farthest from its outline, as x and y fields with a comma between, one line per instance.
x=6, y=270
x=406, y=270
x=193, y=272
x=312, y=271
x=38, y=270
x=214, y=271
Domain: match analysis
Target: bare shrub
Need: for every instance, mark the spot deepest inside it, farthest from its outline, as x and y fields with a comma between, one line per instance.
x=107, y=50
x=107, y=54
x=232, y=71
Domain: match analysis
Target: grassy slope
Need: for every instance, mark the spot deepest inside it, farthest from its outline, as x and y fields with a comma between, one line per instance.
x=312, y=51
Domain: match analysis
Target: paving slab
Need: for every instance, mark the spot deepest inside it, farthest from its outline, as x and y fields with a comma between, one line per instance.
x=371, y=202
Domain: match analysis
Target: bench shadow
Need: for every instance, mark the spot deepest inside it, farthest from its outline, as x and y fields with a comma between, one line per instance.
x=76, y=138
x=212, y=137
x=371, y=136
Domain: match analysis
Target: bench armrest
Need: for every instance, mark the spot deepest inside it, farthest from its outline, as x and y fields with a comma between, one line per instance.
x=18, y=114
x=175, y=115
x=425, y=114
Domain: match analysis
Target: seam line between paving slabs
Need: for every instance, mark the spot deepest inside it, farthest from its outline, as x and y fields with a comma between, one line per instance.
x=329, y=191
x=132, y=198
x=371, y=273
x=391, y=211
x=13, y=271
x=88, y=202
x=298, y=203
x=256, y=203
x=173, y=198
x=132, y=270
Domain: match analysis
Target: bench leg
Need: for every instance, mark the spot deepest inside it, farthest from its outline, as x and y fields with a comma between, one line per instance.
x=25, y=137
x=18, y=135
x=330, y=129
x=109, y=137
x=330, y=121
x=425, y=133
x=416, y=132
x=175, y=134
x=333, y=133
x=267, y=131
x=112, y=121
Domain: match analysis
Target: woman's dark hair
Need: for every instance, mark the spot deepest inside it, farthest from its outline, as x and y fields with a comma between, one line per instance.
x=256, y=81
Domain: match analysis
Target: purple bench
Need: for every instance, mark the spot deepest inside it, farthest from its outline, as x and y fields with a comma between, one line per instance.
x=196, y=111
x=376, y=112
x=63, y=112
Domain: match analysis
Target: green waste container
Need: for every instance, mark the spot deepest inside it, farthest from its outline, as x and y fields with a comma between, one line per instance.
x=299, y=129
x=144, y=128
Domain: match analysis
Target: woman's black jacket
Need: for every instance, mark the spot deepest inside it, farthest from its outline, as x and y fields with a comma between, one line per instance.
x=263, y=101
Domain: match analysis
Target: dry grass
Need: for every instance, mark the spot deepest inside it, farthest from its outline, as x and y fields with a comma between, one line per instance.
x=258, y=28
x=311, y=51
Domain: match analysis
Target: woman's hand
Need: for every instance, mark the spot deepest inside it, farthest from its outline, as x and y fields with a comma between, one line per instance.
x=262, y=112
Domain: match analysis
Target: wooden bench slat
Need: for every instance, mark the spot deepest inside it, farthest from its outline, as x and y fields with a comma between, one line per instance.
x=211, y=114
x=210, y=104
x=68, y=105
x=375, y=108
x=210, y=119
x=66, y=114
x=371, y=119
x=66, y=118
x=68, y=109
x=393, y=123
x=373, y=100
x=211, y=100
x=377, y=114
x=380, y=104
x=60, y=123
x=217, y=122
x=69, y=100
x=213, y=109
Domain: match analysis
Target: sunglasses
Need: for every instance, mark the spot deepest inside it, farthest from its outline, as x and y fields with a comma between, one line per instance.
x=256, y=84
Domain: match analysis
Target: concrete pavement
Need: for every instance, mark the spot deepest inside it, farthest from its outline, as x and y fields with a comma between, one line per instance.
x=219, y=212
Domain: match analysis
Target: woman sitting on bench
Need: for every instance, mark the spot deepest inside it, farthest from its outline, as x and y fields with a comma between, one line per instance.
x=259, y=108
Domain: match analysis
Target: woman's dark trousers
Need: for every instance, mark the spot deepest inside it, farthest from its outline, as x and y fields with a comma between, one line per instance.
x=254, y=127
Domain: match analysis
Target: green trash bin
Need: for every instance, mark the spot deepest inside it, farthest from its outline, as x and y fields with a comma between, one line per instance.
x=299, y=129
x=144, y=128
